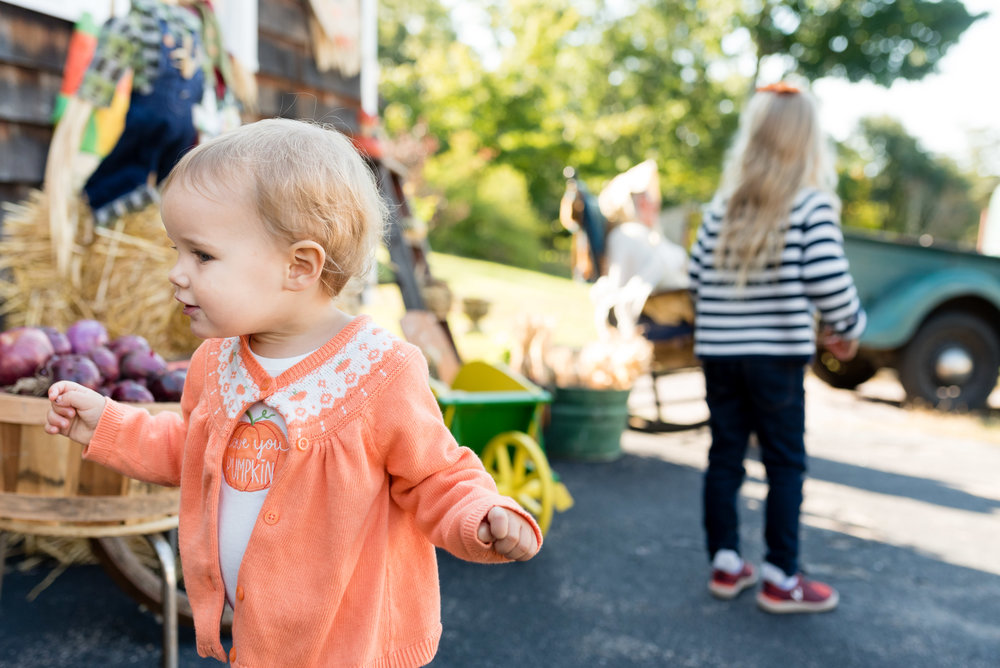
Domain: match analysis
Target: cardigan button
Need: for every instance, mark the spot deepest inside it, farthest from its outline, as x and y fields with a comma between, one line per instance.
x=302, y=444
x=232, y=655
x=267, y=385
x=239, y=593
x=271, y=517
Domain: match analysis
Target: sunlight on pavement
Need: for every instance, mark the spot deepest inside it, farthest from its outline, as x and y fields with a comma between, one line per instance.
x=913, y=479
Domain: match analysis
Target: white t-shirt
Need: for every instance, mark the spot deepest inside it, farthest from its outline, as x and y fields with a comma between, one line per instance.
x=255, y=451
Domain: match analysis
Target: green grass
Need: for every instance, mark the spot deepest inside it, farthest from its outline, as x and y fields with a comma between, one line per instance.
x=512, y=293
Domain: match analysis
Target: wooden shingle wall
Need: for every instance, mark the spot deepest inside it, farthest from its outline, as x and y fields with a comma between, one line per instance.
x=33, y=51
x=288, y=82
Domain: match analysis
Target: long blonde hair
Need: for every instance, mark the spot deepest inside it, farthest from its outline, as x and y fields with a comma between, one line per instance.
x=779, y=149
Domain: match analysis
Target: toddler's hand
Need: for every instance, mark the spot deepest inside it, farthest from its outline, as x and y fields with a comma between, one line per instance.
x=511, y=535
x=74, y=411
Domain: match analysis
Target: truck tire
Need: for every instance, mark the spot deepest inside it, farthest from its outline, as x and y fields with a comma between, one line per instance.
x=839, y=374
x=951, y=362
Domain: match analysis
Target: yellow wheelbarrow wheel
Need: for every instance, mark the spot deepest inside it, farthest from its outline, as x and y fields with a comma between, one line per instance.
x=521, y=471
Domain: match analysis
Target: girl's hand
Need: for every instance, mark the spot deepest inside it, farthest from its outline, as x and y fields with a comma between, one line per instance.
x=843, y=349
x=511, y=536
x=74, y=411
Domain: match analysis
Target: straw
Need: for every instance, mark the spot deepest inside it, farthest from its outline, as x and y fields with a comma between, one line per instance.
x=117, y=276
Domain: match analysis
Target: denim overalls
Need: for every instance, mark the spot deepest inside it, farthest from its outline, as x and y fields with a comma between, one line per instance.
x=158, y=130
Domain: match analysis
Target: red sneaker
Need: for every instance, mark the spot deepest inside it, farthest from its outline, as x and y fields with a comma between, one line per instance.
x=805, y=596
x=729, y=585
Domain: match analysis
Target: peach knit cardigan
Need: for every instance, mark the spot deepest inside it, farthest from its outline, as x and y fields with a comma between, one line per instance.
x=340, y=569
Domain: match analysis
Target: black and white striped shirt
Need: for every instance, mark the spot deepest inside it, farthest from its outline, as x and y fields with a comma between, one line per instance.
x=773, y=315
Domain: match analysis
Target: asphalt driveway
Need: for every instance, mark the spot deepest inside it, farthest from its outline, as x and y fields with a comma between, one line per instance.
x=902, y=515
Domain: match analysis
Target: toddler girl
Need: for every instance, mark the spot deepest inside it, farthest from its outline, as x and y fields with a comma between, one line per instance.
x=316, y=473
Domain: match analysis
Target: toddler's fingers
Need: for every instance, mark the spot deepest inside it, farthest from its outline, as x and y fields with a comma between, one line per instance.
x=529, y=542
x=484, y=532
x=499, y=521
x=520, y=543
x=74, y=396
x=66, y=412
x=58, y=419
x=58, y=389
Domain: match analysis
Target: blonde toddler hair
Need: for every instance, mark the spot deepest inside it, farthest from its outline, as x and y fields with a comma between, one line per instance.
x=779, y=149
x=306, y=182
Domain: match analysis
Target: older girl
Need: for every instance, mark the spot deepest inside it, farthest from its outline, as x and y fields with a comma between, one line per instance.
x=768, y=257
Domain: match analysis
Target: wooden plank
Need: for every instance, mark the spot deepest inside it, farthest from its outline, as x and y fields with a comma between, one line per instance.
x=274, y=100
x=331, y=80
x=284, y=20
x=97, y=480
x=23, y=150
x=39, y=508
x=44, y=465
x=32, y=39
x=74, y=459
x=10, y=452
x=279, y=98
x=333, y=109
x=22, y=410
x=90, y=529
x=285, y=50
x=27, y=94
x=281, y=59
x=400, y=252
x=425, y=331
x=32, y=410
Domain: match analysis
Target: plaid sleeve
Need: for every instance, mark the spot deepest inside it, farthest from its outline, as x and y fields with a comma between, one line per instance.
x=117, y=48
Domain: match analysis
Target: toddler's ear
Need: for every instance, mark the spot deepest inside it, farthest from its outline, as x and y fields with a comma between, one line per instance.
x=305, y=264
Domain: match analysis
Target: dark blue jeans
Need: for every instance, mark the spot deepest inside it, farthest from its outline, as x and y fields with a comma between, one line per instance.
x=765, y=397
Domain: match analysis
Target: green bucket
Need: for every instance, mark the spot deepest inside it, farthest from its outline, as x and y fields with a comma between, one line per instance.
x=586, y=424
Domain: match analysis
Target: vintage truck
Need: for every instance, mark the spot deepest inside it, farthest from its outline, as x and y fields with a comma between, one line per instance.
x=933, y=316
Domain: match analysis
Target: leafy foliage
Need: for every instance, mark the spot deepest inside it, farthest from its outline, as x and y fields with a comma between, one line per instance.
x=905, y=189
x=488, y=213
x=874, y=40
x=602, y=87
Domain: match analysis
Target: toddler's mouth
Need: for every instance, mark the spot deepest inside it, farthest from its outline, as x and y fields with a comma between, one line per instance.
x=189, y=309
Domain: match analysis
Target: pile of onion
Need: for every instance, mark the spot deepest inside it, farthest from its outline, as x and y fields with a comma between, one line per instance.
x=124, y=368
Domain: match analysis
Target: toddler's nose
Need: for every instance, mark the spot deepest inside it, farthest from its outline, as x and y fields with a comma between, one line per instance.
x=177, y=277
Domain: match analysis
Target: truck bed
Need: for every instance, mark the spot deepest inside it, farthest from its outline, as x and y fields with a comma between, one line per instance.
x=880, y=262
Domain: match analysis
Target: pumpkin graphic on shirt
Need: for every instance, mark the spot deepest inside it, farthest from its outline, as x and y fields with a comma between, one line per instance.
x=254, y=453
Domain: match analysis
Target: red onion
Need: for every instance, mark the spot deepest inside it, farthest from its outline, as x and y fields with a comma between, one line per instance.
x=23, y=351
x=85, y=335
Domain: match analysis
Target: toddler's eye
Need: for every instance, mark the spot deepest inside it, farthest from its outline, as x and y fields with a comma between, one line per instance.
x=202, y=257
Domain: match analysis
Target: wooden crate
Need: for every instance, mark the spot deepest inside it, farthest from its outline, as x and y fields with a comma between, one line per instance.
x=46, y=488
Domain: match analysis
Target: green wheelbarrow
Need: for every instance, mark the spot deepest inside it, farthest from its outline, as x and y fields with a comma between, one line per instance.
x=497, y=414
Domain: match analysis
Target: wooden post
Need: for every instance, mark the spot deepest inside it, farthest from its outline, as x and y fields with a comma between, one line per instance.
x=399, y=250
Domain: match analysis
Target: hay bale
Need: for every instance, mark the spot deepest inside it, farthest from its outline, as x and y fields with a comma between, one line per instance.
x=117, y=275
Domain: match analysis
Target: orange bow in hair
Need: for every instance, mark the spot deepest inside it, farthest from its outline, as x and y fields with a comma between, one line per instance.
x=781, y=88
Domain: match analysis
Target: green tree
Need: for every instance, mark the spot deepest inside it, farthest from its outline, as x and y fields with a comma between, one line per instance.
x=915, y=192
x=860, y=209
x=874, y=40
x=657, y=90
x=604, y=86
x=485, y=211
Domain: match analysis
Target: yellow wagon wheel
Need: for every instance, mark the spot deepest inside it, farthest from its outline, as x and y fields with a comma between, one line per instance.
x=522, y=472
